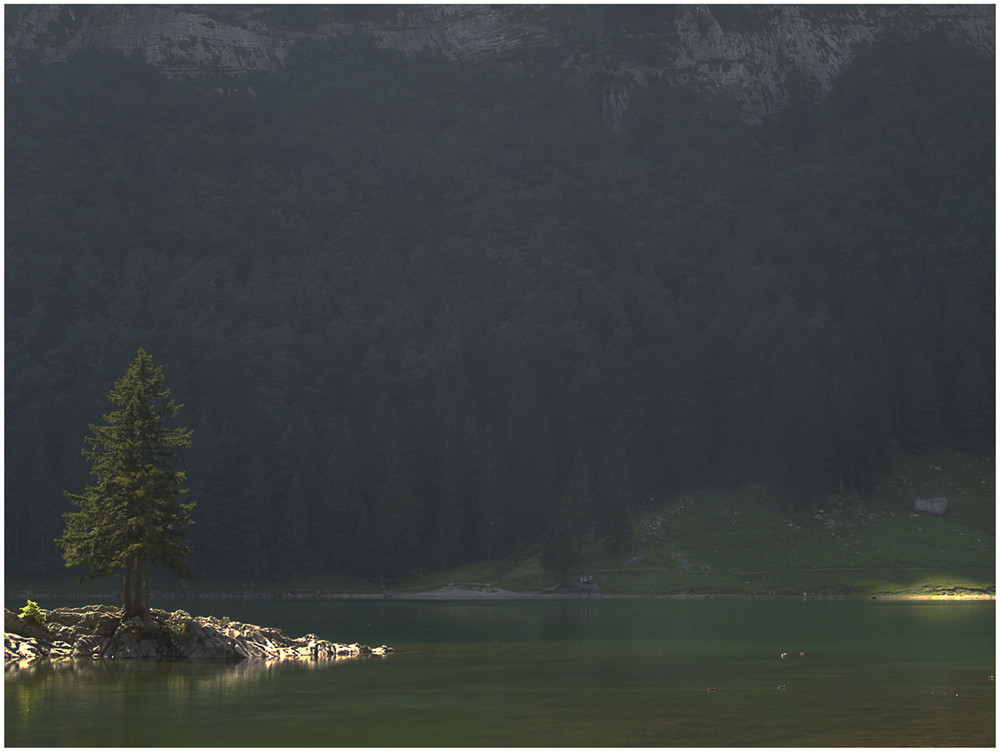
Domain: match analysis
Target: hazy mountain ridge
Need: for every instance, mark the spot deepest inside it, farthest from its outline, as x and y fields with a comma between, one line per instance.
x=752, y=53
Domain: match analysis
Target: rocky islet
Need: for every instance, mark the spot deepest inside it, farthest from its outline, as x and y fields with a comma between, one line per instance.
x=100, y=632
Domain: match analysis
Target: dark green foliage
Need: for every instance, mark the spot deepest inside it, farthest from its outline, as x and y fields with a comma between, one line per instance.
x=131, y=518
x=411, y=303
x=973, y=411
x=613, y=522
x=576, y=505
x=489, y=512
x=560, y=551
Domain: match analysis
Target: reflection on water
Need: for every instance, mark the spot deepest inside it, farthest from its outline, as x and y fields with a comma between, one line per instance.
x=568, y=673
x=40, y=693
x=90, y=669
x=29, y=680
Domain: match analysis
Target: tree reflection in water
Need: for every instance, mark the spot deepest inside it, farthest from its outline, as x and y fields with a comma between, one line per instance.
x=39, y=682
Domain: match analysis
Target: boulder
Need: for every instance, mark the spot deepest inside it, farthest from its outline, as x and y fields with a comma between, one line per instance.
x=936, y=506
x=12, y=622
x=209, y=648
x=61, y=650
x=89, y=646
x=16, y=625
x=99, y=622
x=29, y=649
x=13, y=647
x=65, y=618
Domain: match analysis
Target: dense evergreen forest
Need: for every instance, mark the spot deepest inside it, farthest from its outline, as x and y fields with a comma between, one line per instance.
x=420, y=313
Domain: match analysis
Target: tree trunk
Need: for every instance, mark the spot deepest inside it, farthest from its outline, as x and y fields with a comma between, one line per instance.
x=146, y=566
x=139, y=598
x=127, y=589
x=137, y=588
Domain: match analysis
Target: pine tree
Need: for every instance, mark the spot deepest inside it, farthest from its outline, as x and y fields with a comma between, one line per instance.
x=132, y=517
x=563, y=545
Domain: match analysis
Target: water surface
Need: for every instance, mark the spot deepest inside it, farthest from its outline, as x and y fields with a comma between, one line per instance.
x=549, y=673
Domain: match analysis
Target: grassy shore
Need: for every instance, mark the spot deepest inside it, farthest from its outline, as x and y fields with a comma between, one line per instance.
x=743, y=541
x=748, y=541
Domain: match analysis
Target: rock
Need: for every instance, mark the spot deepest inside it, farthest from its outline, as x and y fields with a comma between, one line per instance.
x=89, y=646
x=701, y=47
x=12, y=622
x=65, y=618
x=60, y=632
x=97, y=631
x=101, y=620
x=13, y=647
x=29, y=649
x=16, y=625
x=61, y=650
x=212, y=648
x=936, y=506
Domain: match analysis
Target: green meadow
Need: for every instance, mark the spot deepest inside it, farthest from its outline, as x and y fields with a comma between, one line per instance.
x=752, y=541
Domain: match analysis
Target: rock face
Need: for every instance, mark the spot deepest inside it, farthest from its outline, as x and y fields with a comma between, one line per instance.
x=99, y=632
x=749, y=52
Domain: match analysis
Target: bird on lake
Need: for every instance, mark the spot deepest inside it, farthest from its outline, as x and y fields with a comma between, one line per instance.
x=713, y=689
x=782, y=687
x=784, y=655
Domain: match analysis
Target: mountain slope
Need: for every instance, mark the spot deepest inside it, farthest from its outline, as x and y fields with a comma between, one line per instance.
x=422, y=313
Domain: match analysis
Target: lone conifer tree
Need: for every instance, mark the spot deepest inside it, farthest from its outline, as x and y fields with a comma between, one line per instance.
x=132, y=517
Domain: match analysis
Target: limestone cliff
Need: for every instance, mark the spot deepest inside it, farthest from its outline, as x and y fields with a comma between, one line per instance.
x=749, y=52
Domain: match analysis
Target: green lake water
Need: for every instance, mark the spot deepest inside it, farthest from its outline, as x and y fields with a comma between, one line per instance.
x=548, y=673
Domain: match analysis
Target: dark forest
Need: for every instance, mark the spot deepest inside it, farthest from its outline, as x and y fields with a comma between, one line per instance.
x=421, y=313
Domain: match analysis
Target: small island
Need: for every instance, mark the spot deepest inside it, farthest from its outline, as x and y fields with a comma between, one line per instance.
x=129, y=520
x=103, y=632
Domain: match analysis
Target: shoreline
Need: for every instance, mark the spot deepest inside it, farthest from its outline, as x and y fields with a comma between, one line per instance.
x=487, y=594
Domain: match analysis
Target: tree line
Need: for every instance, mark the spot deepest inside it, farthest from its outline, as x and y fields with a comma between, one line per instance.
x=422, y=313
